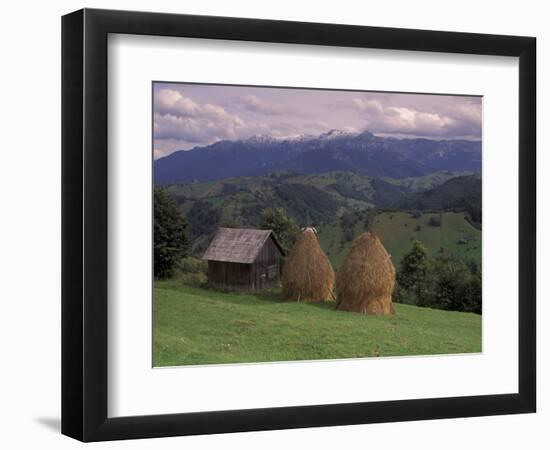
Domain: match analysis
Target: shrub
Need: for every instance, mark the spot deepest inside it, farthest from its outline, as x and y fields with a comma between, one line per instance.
x=434, y=221
x=191, y=264
x=193, y=279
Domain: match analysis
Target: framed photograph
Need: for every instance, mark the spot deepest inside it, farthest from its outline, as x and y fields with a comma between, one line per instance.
x=273, y=224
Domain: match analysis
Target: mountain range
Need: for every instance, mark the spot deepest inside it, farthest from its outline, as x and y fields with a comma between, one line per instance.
x=362, y=153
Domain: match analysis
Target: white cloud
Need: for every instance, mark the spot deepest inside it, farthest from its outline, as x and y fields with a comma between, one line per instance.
x=168, y=101
x=254, y=104
x=371, y=106
x=458, y=118
x=180, y=118
x=187, y=116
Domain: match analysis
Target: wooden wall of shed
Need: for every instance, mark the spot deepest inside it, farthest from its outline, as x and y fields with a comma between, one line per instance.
x=264, y=273
x=266, y=269
x=229, y=275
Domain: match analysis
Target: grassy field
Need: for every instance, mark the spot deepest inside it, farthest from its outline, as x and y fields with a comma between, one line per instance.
x=193, y=325
x=398, y=229
x=330, y=237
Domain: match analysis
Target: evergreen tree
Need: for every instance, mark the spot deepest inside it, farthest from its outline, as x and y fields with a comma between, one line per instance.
x=451, y=279
x=472, y=297
x=413, y=277
x=348, y=221
x=170, y=240
x=203, y=219
x=284, y=227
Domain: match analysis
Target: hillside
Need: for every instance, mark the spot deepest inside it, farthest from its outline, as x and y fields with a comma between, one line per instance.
x=307, y=198
x=199, y=326
x=416, y=184
x=321, y=199
x=363, y=153
x=456, y=236
x=460, y=193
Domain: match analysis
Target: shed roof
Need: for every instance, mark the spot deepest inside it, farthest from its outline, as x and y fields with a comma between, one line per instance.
x=238, y=245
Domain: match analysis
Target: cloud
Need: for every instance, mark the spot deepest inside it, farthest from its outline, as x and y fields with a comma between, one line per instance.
x=188, y=116
x=180, y=118
x=161, y=152
x=254, y=104
x=181, y=123
x=452, y=117
x=257, y=105
x=371, y=106
x=169, y=101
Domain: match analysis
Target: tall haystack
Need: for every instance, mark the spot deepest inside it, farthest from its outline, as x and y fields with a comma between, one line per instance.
x=365, y=281
x=307, y=273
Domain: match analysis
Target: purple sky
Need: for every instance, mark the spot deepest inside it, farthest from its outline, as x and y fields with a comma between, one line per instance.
x=190, y=115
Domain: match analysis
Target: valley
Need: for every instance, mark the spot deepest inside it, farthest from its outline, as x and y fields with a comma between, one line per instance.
x=398, y=210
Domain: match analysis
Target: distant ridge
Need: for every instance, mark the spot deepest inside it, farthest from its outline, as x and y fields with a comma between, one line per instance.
x=363, y=153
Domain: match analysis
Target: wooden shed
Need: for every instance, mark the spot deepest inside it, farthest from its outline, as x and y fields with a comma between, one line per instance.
x=245, y=259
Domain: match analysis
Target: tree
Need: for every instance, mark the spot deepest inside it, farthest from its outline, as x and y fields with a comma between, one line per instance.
x=367, y=219
x=442, y=282
x=413, y=277
x=473, y=266
x=451, y=280
x=348, y=221
x=203, y=219
x=472, y=295
x=284, y=227
x=170, y=240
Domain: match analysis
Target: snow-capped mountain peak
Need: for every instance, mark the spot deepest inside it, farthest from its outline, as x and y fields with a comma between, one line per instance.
x=335, y=134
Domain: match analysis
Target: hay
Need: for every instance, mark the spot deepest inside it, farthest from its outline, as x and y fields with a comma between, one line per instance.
x=365, y=281
x=307, y=273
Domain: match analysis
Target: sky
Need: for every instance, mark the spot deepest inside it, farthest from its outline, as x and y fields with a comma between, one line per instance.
x=193, y=115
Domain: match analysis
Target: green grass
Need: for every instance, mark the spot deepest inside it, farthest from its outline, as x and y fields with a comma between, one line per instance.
x=330, y=237
x=194, y=326
x=426, y=181
x=397, y=231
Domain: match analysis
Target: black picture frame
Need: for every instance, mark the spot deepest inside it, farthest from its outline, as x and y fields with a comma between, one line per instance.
x=84, y=224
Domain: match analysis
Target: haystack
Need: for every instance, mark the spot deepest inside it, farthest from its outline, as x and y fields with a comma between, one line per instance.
x=366, y=279
x=307, y=273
